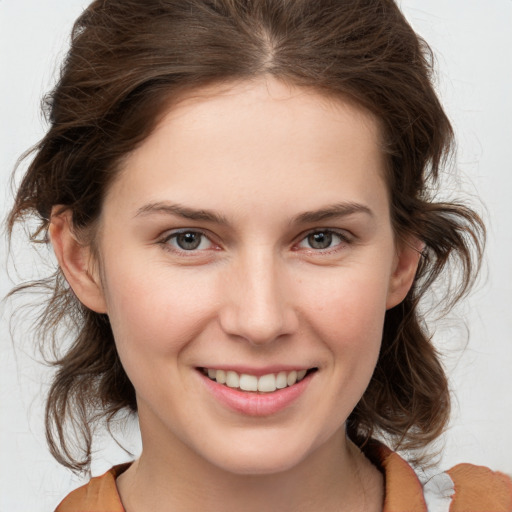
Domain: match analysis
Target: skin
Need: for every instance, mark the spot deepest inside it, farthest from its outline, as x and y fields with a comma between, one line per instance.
x=273, y=163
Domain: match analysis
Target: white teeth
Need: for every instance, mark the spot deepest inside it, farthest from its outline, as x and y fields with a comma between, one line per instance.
x=264, y=384
x=248, y=382
x=232, y=379
x=292, y=378
x=267, y=383
x=281, y=380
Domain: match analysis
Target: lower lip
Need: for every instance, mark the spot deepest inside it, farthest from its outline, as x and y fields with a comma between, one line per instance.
x=256, y=404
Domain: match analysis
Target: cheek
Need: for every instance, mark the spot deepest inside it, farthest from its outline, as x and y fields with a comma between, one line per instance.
x=154, y=317
x=347, y=314
x=155, y=312
x=347, y=306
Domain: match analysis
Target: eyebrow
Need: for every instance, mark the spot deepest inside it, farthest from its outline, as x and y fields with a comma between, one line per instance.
x=181, y=211
x=332, y=211
x=329, y=212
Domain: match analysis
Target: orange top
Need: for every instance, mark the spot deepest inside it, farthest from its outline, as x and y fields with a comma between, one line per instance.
x=474, y=489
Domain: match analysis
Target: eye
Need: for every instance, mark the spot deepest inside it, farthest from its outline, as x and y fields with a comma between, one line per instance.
x=188, y=240
x=323, y=239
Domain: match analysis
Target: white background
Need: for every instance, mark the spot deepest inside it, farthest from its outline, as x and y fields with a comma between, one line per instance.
x=473, y=43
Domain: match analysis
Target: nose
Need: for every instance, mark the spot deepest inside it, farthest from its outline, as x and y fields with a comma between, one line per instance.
x=258, y=300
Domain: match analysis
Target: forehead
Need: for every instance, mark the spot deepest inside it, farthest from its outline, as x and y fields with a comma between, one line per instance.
x=253, y=139
x=256, y=101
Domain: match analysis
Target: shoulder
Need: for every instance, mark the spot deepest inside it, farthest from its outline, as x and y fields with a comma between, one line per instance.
x=99, y=495
x=464, y=488
x=477, y=488
x=469, y=488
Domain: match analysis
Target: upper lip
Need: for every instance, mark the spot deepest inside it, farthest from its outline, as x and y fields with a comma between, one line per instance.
x=258, y=371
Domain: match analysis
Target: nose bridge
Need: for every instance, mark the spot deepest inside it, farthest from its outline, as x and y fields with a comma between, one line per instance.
x=258, y=305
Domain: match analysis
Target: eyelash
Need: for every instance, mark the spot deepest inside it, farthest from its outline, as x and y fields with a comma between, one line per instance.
x=344, y=239
x=166, y=241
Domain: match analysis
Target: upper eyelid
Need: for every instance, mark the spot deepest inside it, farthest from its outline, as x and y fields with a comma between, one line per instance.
x=346, y=239
x=343, y=233
x=171, y=233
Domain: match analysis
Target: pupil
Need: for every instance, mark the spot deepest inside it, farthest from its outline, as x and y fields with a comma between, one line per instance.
x=320, y=240
x=188, y=241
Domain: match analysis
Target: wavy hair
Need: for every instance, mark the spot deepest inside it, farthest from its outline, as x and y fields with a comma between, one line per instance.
x=127, y=61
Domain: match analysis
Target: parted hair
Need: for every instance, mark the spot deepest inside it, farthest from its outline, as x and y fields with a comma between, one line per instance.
x=127, y=61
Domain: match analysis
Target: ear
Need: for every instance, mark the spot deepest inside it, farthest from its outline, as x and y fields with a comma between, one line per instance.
x=404, y=271
x=76, y=261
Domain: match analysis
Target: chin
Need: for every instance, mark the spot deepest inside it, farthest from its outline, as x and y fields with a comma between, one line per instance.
x=260, y=457
x=261, y=464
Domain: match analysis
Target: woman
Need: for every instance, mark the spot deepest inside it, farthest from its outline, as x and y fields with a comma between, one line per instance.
x=238, y=195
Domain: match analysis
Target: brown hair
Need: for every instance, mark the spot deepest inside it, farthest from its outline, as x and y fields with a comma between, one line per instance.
x=128, y=59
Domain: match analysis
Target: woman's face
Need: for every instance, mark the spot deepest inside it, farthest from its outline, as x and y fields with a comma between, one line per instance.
x=249, y=239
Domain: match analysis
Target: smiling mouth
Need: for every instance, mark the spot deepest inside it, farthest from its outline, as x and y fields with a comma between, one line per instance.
x=263, y=384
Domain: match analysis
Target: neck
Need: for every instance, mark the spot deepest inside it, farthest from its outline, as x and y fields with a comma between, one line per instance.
x=335, y=477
